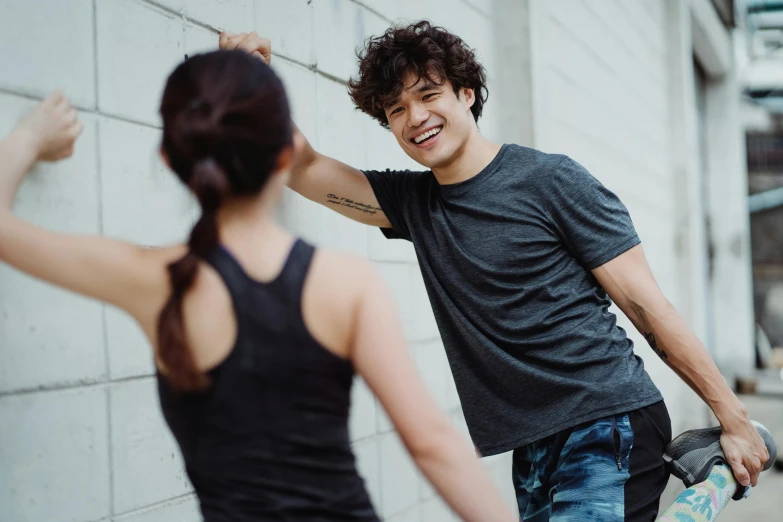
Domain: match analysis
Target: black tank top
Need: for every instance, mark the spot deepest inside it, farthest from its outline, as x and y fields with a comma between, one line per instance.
x=269, y=439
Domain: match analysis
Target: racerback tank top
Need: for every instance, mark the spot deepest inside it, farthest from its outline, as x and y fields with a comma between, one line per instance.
x=269, y=439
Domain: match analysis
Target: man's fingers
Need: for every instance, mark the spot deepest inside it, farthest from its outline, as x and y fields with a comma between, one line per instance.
x=251, y=43
x=755, y=469
x=224, y=37
x=257, y=46
x=764, y=457
x=235, y=41
x=740, y=472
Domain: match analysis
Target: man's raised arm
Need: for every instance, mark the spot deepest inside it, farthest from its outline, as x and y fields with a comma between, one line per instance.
x=319, y=178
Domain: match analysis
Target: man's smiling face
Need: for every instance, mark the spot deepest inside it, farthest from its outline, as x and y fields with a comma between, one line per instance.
x=430, y=121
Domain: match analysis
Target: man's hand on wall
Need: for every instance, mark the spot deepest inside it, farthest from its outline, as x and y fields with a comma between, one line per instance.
x=251, y=43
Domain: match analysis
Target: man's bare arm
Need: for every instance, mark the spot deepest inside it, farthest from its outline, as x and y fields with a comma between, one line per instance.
x=630, y=283
x=336, y=185
x=319, y=178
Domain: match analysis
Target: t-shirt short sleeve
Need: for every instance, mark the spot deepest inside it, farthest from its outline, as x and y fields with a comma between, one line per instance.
x=591, y=220
x=394, y=190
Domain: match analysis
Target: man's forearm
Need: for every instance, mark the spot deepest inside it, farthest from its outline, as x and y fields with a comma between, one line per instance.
x=676, y=344
x=629, y=282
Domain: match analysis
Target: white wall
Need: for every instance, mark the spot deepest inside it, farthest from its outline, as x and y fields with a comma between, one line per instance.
x=81, y=435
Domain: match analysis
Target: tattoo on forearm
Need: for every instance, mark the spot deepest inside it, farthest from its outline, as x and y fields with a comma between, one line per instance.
x=654, y=345
x=346, y=202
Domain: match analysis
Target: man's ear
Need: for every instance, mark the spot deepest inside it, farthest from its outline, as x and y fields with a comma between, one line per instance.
x=469, y=95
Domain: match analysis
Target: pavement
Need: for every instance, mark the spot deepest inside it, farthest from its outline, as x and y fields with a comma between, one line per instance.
x=764, y=503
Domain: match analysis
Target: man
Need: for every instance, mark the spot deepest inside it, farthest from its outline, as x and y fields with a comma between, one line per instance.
x=521, y=253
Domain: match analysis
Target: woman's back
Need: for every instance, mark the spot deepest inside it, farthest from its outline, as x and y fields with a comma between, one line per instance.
x=268, y=439
x=252, y=347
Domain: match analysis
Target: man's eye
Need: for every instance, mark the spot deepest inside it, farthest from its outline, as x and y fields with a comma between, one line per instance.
x=398, y=109
x=428, y=96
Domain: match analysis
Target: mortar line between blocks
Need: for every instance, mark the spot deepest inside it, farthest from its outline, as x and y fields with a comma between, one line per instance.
x=216, y=30
x=150, y=507
x=409, y=509
x=109, y=423
x=85, y=110
x=80, y=108
x=104, y=324
x=332, y=77
x=476, y=9
x=373, y=11
x=378, y=455
x=78, y=385
x=312, y=67
x=95, y=51
x=181, y=15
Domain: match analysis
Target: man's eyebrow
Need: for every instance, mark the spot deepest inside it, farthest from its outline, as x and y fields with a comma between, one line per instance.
x=426, y=85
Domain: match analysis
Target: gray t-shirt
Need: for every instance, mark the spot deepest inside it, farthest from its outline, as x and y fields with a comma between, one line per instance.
x=506, y=258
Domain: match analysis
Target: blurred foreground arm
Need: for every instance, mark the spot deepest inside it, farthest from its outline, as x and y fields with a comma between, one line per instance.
x=449, y=462
x=113, y=271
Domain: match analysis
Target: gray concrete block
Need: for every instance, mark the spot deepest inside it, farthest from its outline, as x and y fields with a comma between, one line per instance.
x=436, y=510
x=199, y=40
x=49, y=336
x=399, y=485
x=185, y=509
x=54, y=456
x=363, y=419
x=434, y=370
x=368, y=462
x=138, y=47
x=143, y=201
x=235, y=16
x=286, y=24
x=337, y=47
x=147, y=464
x=48, y=44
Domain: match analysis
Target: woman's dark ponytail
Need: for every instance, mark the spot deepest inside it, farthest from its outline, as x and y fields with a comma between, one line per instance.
x=225, y=121
x=210, y=186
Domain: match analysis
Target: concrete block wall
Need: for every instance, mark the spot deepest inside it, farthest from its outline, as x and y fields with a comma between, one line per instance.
x=81, y=435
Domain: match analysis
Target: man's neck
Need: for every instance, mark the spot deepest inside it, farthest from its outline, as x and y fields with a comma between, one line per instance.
x=469, y=160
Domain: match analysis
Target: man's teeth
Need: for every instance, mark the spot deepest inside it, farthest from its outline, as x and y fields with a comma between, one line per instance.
x=422, y=137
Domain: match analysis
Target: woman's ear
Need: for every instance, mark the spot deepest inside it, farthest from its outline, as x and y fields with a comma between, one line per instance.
x=164, y=157
x=286, y=158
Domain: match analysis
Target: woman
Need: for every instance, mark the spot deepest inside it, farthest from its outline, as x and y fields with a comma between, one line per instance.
x=255, y=334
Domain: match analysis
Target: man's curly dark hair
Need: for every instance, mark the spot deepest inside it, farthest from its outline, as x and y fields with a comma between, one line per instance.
x=420, y=48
